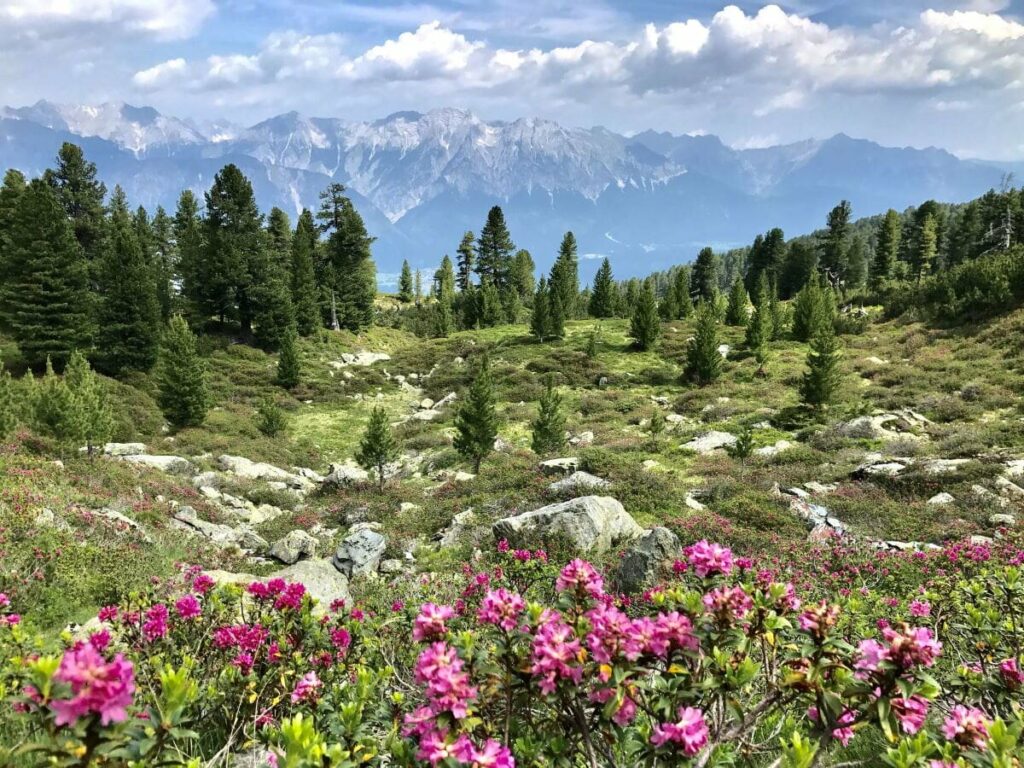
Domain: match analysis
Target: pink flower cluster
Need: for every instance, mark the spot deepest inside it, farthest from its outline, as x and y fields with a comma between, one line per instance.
x=98, y=687
x=501, y=608
x=286, y=595
x=436, y=748
x=556, y=653
x=967, y=726
x=728, y=603
x=307, y=689
x=430, y=623
x=614, y=636
x=709, y=559
x=689, y=733
x=581, y=577
x=155, y=625
x=906, y=648
x=440, y=669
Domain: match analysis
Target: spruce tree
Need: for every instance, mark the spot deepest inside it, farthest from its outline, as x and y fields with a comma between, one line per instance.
x=81, y=196
x=378, y=448
x=128, y=332
x=681, y=285
x=887, y=249
x=494, y=249
x=417, y=281
x=807, y=310
x=273, y=314
x=644, y=327
x=466, y=261
x=778, y=312
x=444, y=282
x=490, y=310
x=289, y=368
x=834, y=245
x=405, y=284
x=89, y=397
x=56, y=414
x=704, y=279
x=823, y=377
x=349, y=274
x=476, y=422
x=703, y=360
x=8, y=407
x=548, y=429
x=927, y=247
x=556, y=314
x=856, y=264
x=736, y=312
x=540, y=320
x=602, y=298
x=187, y=230
x=44, y=299
x=565, y=279
x=162, y=261
x=270, y=418
x=523, y=280
x=11, y=190
x=303, y=275
x=444, y=322
x=668, y=307
x=181, y=376
x=759, y=329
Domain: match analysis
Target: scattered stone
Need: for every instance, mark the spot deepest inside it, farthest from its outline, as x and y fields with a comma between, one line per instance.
x=579, y=481
x=321, y=579
x=772, y=450
x=122, y=520
x=589, y=524
x=257, y=757
x=986, y=495
x=426, y=404
x=207, y=480
x=582, y=439
x=360, y=552
x=446, y=400
x=242, y=537
x=710, y=441
x=898, y=425
x=650, y=465
x=941, y=499
x=882, y=468
x=48, y=519
x=1002, y=520
x=800, y=493
x=723, y=350
x=822, y=489
x=1014, y=468
x=876, y=360
x=391, y=566
x=294, y=546
x=981, y=541
x=348, y=359
x=407, y=506
x=124, y=449
x=560, y=466
x=456, y=530
x=1009, y=488
x=647, y=560
x=430, y=415
x=692, y=503
x=348, y=473
x=943, y=466
x=172, y=465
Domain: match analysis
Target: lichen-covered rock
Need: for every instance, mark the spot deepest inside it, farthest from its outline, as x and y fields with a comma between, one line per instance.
x=294, y=546
x=647, y=560
x=360, y=552
x=172, y=465
x=321, y=579
x=579, y=481
x=560, y=466
x=587, y=524
x=710, y=441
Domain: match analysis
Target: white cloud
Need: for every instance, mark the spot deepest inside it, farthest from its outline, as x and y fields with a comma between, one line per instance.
x=164, y=19
x=161, y=74
x=430, y=52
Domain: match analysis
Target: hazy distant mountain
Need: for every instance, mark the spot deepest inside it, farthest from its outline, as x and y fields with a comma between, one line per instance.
x=420, y=180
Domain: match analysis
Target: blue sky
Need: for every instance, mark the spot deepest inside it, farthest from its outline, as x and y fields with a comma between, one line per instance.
x=901, y=72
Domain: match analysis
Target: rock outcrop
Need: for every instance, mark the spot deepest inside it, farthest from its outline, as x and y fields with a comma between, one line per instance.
x=589, y=524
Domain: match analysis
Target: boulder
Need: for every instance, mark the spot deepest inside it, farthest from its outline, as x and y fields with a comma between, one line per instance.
x=821, y=488
x=710, y=441
x=257, y=470
x=565, y=465
x=1002, y=520
x=360, y=552
x=428, y=415
x=172, y=465
x=648, y=559
x=426, y=404
x=886, y=426
x=320, y=578
x=582, y=439
x=879, y=469
x=122, y=521
x=723, y=350
x=348, y=473
x=391, y=566
x=589, y=524
x=359, y=359
x=207, y=480
x=942, y=466
x=456, y=529
x=692, y=503
x=772, y=450
x=124, y=449
x=1008, y=488
x=242, y=537
x=579, y=481
x=294, y=546
x=941, y=499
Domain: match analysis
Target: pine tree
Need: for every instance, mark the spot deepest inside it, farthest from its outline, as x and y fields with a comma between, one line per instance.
x=523, y=280
x=163, y=261
x=443, y=319
x=856, y=264
x=556, y=314
x=349, y=274
x=668, y=307
x=11, y=190
x=128, y=333
x=823, y=377
x=89, y=398
x=55, y=413
x=778, y=313
x=644, y=327
x=44, y=300
x=510, y=303
x=759, y=329
x=418, y=286
x=378, y=448
x=887, y=249
x=800, y=265
x=467, y=304
x=490, y=311
x=602, y=298
x=681, y=286
x=81, y=196
x=549, y=426
x=704, y=280
x=742, y=449
x=540, y=320
x=187, y=231
x=270, y=418
x=181, y=376
x=593, y=342
x=303, y=275
x=834, y=245
x=405, y=284
x=736, y=313
x=494, y=249
x=703, y=360
x=272, y=314
x=565, y=279
x=927, y=248
x=808, y=309
x=476, y=422
x=8, y=407
x=466, y=261
x=444, y=282
x=289, y=368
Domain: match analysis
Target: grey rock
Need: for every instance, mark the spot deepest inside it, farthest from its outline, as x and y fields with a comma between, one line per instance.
x=391, y=566
x=321, y=579
x=361, y=359
x=242, y=537
x=429, y=415
x=457, y=529
x=207, y=480
x=710, y=441
x=564, y=465
x=348, y=473
x=1002, y=520
x=588, y=524
x=124, y=449
x=446, y=400
x=48, y=519
x=694, y=504
x=1008, y=488
x=360, y=552
x=940, y=499
x=582, y=439
x=647, y=559
x=294, y=546
x=800, y=493
x=821, y=488
x=172, y=465
x=121, y=520
x=723, y=350
x=773, y=450
x=943, y=466
x=579, y=481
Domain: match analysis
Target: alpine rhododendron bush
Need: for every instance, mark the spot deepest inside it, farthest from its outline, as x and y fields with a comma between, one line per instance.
x=833, y=656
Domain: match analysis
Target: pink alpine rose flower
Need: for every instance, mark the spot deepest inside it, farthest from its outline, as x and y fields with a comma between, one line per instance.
x=98, y=687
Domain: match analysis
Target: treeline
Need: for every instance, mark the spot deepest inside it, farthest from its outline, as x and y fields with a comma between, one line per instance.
x=81, y=272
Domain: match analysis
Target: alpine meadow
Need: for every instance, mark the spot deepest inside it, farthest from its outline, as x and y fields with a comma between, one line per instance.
x=692, y=439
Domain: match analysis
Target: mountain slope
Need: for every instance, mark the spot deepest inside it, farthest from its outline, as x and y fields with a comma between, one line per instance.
x=420, y=180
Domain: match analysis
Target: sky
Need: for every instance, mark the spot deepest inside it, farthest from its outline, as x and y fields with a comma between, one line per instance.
x=900, y=72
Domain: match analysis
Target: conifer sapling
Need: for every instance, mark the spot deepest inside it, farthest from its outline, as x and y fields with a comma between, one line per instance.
x=476, y=421
x=378, y=448
x=549, y=426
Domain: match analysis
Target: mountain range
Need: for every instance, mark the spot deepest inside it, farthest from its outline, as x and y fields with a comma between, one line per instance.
x=420, y=180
